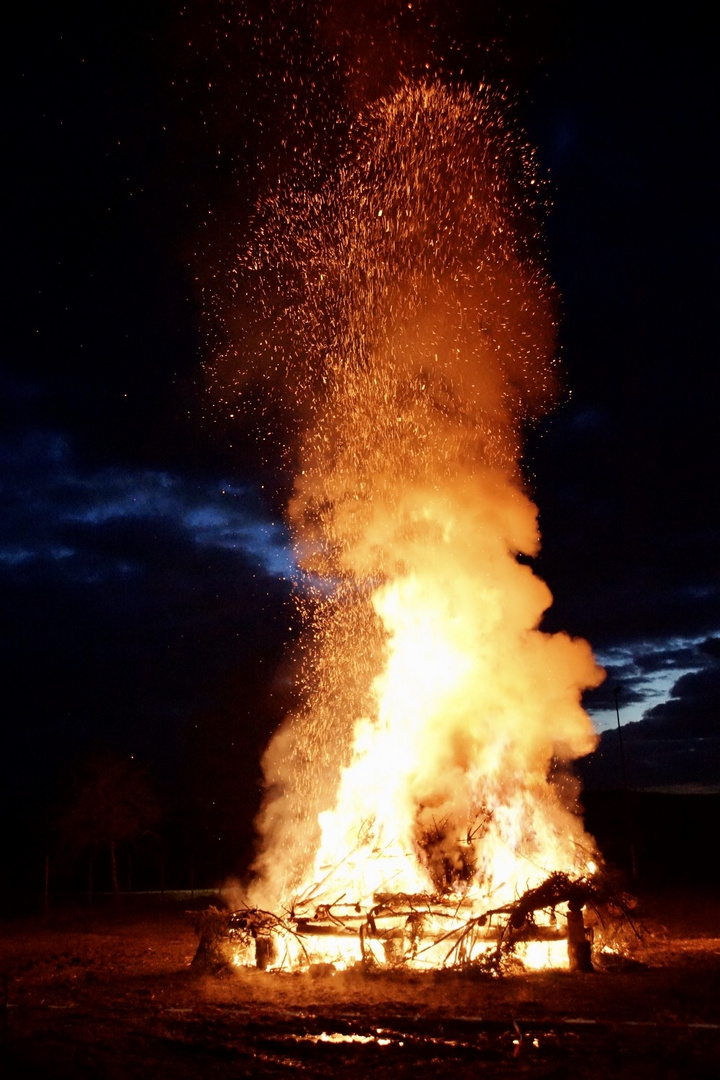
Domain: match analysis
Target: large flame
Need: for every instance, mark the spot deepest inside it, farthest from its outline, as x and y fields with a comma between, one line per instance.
x=405, y=308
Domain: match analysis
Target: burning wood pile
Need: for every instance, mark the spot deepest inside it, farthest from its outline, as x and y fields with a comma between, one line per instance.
x=544, y=927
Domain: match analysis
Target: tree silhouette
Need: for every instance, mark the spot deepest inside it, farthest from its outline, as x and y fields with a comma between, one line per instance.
x=112, y=802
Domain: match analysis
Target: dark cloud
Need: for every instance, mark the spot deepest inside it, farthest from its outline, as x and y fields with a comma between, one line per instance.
x=677, y=742
x=693, y=708
x=55, y=511
x=672, y=656
x=603, y=697
x=642, y=674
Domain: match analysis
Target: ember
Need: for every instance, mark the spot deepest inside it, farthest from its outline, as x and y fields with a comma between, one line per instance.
x=419, y=807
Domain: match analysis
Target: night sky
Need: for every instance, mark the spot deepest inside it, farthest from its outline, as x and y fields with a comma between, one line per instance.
x=145, y=568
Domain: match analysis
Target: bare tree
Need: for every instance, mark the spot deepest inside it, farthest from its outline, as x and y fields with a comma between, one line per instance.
x=112, y=802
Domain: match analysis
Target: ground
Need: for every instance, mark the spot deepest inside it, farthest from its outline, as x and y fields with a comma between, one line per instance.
x=98, y=994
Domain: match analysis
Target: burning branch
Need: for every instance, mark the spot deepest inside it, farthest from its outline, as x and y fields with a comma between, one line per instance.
x=410, y=930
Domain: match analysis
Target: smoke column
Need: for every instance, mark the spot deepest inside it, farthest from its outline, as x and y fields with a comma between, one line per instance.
x=402, y=309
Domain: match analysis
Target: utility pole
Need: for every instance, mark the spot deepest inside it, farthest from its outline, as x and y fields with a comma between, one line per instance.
x=626, y=790
x=46, y=894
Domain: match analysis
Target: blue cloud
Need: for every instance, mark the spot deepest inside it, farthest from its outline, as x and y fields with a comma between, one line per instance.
x=56, y=514
x=645, y=672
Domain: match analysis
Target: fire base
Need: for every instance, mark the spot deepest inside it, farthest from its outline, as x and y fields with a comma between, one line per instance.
x=542, y=928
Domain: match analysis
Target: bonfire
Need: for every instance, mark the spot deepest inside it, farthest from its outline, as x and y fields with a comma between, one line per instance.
x=420, y=804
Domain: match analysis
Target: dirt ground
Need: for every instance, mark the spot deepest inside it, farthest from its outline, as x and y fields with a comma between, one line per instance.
x=86, y=995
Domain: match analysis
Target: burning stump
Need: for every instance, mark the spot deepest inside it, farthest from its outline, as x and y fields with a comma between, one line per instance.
x=215, y=950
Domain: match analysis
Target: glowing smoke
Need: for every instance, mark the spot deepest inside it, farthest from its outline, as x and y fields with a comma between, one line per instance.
x=405, y=309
